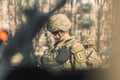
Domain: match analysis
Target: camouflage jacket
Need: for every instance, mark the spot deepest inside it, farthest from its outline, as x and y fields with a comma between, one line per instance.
x=77, y=58
x=93, y=58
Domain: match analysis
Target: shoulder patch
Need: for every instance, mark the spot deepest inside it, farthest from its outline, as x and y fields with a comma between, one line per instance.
x=80, y=56
x=77, y=47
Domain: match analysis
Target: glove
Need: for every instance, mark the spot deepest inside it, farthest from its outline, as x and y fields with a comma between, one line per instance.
x=63, y=55
x=46, y=59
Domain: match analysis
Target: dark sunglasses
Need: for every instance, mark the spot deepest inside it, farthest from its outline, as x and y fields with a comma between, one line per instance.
x=55, y=32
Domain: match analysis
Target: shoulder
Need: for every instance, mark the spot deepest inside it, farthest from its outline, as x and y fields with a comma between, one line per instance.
x=71, y=42
x=74, y=45
x=93, y=50
x=77, y=47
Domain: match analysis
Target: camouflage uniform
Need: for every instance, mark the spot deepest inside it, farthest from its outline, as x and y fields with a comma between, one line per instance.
x=76, y=58
x=92, y=56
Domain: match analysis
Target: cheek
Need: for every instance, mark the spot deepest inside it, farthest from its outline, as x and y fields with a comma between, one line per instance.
x=56, y=36
x=53, y=36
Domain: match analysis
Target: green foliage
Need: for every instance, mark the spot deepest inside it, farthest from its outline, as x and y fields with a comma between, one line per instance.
x=87, y=22
x=86, y=7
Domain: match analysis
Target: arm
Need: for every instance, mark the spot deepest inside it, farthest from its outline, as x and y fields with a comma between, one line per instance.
x=62, y=56
x=79, y=54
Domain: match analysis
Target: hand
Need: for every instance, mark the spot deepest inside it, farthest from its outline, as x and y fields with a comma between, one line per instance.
x=63, y=55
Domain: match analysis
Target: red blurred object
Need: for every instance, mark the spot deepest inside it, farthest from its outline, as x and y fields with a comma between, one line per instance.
x=3, y=35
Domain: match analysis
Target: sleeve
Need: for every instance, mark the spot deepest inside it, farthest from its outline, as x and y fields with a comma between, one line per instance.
x=78, y=51
x=79, y=55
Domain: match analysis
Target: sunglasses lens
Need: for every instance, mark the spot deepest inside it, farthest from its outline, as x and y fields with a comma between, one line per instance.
x=54, y=33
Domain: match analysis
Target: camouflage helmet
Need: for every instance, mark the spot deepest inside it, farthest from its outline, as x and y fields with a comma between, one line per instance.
x=87, y=40
x=59, y=22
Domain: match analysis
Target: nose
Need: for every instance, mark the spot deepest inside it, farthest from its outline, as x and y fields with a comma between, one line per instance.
x=55, y=37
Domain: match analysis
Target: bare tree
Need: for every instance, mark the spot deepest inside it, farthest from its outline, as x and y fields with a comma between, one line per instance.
x=99, y=25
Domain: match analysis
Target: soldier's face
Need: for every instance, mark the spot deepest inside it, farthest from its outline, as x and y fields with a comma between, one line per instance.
x=56, y=36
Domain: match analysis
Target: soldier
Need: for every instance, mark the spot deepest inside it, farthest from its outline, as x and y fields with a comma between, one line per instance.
x=93, y=57
x=68, y=53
